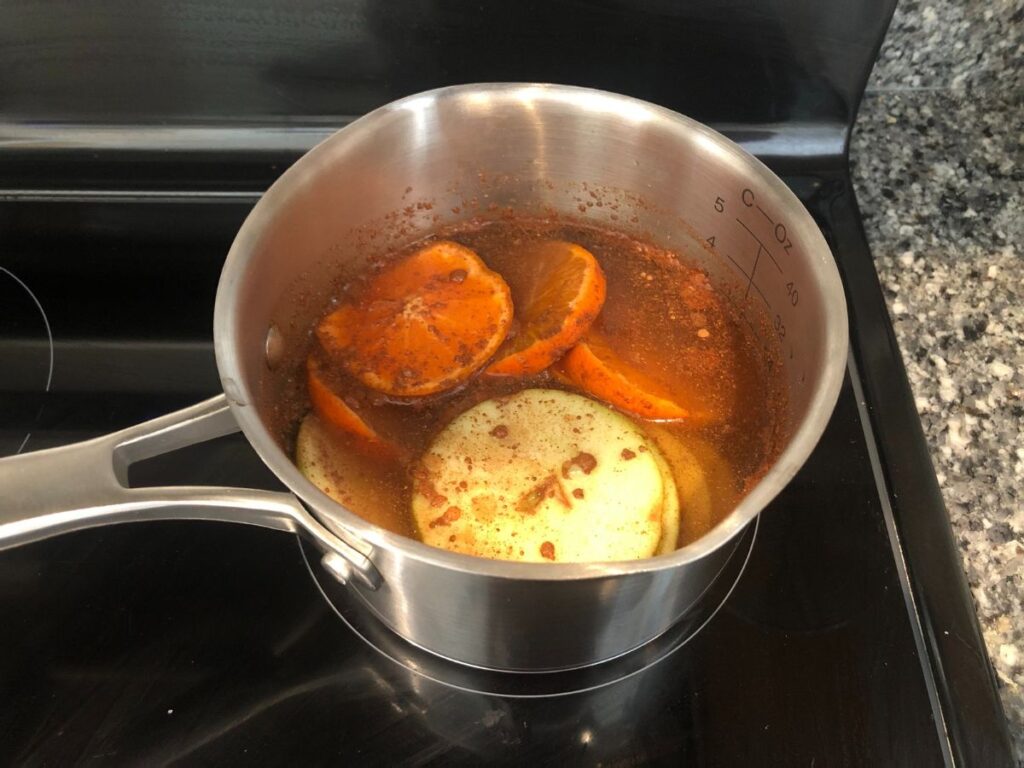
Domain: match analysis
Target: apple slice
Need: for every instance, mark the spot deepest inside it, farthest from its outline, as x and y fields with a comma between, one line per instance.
x=541, y=476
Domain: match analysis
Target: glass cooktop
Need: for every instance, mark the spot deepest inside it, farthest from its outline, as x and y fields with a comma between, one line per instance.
x=205, y=643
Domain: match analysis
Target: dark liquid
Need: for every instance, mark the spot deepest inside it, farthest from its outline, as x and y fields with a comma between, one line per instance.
x=662, y=314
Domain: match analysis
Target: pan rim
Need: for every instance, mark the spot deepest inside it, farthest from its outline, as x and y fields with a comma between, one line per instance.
x=370, y=538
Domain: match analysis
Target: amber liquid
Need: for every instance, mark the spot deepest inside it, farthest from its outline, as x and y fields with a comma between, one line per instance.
x=662, y=314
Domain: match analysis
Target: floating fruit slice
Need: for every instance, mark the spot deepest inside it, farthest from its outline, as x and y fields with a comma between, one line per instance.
x=359, y=482
x=705, y=481
x=556, y=303
x=595, y=368
x=333, y=409
x=540, y=476
x=670, y=508
x=423, y=325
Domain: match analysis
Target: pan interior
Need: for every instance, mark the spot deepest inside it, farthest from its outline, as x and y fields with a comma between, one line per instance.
x=448, y=156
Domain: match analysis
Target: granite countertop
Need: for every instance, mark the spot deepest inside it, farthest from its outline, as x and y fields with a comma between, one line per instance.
x=937, y=154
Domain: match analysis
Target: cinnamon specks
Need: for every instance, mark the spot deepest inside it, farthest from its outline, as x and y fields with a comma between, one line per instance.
x=547, y=550
x=628, y=454
x=424, y=485
x=548, y=488
x=577, y=492
x=450, y=516
x=500, y=432
x=585, y=461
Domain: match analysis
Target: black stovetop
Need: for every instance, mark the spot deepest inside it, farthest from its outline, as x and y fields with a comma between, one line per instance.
x=211, y=644
x=134, y=138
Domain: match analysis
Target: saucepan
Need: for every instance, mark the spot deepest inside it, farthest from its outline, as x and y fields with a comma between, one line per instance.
x=400, y=172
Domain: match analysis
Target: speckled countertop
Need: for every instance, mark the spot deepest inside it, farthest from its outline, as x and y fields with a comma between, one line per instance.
x=937, y=155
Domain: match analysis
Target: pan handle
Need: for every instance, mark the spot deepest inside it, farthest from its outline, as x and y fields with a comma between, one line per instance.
x=83, y=485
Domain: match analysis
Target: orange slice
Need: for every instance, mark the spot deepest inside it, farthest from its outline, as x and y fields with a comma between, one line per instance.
x=597, y=369
x=330, y=407
x=423, y=325
x=555, y=305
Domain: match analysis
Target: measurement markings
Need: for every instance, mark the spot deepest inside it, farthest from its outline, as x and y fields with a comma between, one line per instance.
x=735, y=264
x=754, y=328
x=764, y=213
x=763, y=297
x=750, y=279
x=760, y=243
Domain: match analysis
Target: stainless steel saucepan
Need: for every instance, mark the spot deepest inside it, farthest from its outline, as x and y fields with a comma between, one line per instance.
x=402, y=171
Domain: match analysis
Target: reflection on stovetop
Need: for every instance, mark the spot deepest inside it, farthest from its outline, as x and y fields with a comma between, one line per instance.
x=208, y=643
x=364, y=622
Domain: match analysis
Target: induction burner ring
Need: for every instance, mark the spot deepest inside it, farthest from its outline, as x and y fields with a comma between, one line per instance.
x=18, y=323
x=378, y=636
